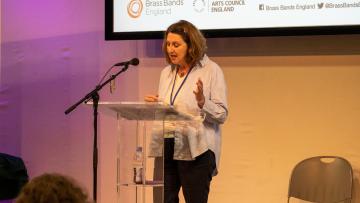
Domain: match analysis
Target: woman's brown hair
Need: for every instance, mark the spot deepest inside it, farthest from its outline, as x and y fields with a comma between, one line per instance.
x=194, y=39
x=54, y=188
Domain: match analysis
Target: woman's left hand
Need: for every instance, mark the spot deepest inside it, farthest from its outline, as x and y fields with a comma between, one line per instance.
x=199, y=95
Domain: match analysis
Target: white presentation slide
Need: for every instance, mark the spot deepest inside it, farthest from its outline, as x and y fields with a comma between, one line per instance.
x=157, y=15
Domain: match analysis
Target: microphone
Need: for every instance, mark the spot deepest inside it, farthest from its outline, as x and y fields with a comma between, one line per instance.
x=134, y=62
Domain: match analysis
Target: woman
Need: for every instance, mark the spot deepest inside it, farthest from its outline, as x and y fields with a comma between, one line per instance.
x=195, y=84
x=54, y=188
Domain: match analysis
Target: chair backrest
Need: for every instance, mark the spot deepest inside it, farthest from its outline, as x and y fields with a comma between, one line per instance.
x=322, y=179
x=13, y=176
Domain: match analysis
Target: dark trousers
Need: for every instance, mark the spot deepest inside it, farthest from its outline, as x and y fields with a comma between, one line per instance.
x=193, y=176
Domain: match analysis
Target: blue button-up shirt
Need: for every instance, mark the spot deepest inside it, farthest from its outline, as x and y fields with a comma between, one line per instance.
x=193, y=138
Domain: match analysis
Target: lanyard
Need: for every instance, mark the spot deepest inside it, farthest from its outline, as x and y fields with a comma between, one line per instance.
x=172, y=100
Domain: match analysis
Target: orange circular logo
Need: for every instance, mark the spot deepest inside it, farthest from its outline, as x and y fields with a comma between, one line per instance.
x=134, y=8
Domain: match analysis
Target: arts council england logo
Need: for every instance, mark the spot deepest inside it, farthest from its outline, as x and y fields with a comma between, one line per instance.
x=199, y=5
x=134, y=8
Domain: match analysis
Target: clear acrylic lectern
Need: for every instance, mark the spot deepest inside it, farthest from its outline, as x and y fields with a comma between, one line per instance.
x=140, y=177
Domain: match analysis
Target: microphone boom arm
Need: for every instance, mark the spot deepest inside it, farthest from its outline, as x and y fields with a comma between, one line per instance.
x=97, y=88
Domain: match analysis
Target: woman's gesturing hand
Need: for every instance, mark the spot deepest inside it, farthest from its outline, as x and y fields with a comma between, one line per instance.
x=199, y=95
x=151, y=98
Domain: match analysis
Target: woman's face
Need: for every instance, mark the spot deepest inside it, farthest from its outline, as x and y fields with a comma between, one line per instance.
x=176, y=49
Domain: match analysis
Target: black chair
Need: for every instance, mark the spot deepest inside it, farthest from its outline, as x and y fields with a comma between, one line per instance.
x=322, y=179
x=13, y=176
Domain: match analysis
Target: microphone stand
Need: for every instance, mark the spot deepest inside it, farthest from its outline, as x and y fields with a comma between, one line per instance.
x=94, y=96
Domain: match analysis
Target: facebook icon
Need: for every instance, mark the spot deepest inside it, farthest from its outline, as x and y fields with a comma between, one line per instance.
x=261, y=7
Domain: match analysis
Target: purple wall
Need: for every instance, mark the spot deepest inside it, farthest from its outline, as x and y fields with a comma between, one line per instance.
x=53, y=53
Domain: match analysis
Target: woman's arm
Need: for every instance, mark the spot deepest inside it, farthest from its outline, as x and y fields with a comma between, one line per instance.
x=215, y=105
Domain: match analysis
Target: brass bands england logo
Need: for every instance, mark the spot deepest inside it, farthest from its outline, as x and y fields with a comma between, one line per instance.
x=134, y=8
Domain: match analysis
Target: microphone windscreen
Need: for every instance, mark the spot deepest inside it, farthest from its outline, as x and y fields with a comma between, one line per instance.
x=134, y=61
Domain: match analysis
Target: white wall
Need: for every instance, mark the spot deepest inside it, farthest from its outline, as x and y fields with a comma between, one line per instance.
x=282, y=109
